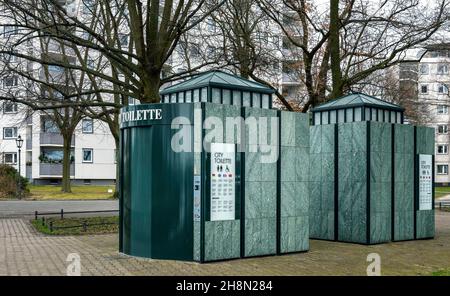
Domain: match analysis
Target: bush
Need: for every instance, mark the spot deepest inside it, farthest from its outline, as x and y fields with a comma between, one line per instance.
x=9, y=177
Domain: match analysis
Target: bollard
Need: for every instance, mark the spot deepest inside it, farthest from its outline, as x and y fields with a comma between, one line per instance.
x=35, y=215
x=62, y=214
x=51, y=226
x=43, y=221
x=84, y=226
x=440, y=206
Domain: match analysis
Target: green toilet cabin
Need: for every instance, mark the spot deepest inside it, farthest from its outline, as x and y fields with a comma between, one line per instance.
x=190, y=194
x=372, y=176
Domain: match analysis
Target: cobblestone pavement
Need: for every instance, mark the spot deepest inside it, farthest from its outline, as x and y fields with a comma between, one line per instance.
x=25, y=252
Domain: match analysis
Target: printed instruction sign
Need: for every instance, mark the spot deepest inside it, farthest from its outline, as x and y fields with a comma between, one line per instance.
x=223, y=157
x=197, y=197
x=425, y=182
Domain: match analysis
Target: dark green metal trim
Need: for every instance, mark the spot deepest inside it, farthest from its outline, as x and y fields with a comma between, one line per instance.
x=393, y=183
x=368, y=216
x=336, y=183
x=120, y=163
x=203, y=193
x=219, y=85
x=278, y=209
x=416, y=183
x=432, y=182
x=355, y=105
x=242, y=218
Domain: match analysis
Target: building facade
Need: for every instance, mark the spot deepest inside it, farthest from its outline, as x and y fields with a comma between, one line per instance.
x=427, y=82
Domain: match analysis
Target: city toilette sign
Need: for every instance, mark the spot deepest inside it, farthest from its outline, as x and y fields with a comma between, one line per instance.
x=425, y=182
x=140, y=115
x=222, y=181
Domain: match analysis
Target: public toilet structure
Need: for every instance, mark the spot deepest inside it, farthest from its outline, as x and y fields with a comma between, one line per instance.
x=191, y=191
x=372, y=177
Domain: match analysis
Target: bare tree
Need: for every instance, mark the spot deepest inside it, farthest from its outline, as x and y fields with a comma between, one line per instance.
x=352, y=40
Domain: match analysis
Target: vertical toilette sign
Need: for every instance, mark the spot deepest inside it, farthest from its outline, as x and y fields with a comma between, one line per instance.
x=222, y=181
x=425, y=182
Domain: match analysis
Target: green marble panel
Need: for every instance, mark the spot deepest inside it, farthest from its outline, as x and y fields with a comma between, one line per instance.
x=359, y=136
x=375, y=166
x=269, y=171
x=315, y=167
x=302, y=199
x=345, y=135
x=359, y=166
x=315, y=139
x=253, y=168
x=327, y=167
x=301, y=129
x=399, y=167
x=220, y=240
x=196, y=249
x=345, y=164
x=287, y=199
x=288, y=129
x=327, y=138
x=268, y=199
x=288, y=164
x=386, y=167
x=425, y=224
x=253, y=200
x=404, y=225
x=302, y=164
x=409, y=139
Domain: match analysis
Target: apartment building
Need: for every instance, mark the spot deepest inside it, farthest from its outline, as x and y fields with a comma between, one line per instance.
x=428, y=82
x=93, y=149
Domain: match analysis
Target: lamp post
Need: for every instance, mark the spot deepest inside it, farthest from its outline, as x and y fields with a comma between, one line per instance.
x=19, y=143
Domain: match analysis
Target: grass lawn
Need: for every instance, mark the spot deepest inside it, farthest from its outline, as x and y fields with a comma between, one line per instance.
x=91, y=228
x=441, y=191
x=441, y=272
x=49, y=192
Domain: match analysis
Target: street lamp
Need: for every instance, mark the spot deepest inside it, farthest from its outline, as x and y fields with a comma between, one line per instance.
x=19, y=143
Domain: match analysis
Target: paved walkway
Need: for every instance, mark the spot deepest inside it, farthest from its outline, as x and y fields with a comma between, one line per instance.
x=19, y=208
x=25, y=252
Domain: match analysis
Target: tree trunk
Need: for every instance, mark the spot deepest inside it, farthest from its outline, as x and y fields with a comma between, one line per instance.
x=65, y=184
x=150, y=89
x=334, y=44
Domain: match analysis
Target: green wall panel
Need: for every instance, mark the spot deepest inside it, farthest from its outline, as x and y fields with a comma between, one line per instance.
x=294, y=182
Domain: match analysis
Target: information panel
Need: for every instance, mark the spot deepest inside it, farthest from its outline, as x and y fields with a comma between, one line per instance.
x=222, y=181
x=425, y=182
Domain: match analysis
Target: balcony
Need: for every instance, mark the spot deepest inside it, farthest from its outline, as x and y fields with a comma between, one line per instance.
x=54, y=169
x=53, y=139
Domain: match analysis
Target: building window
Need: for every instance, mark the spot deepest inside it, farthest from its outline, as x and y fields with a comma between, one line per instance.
x=9, y=132
x=424, y=69
x=442, y=169
x=424, y=88
x=123, y=39
x=211, y=25
x=442, y=129
x=91, y=64
x=10, y=158
x=442, y=89
x=442, y=69
x=10, y=31
x=442, y=109
x=9, y=107
x=88, y=155
x=87, y=126
x=10, y=81
x=442, y=149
